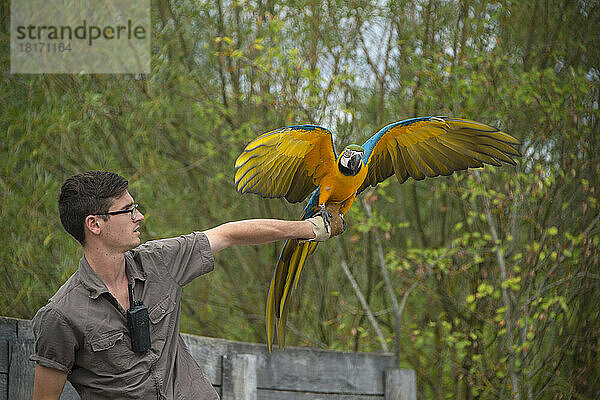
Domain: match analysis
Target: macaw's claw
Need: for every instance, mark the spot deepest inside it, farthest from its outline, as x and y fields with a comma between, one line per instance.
x=324, y=212
x=345, y=225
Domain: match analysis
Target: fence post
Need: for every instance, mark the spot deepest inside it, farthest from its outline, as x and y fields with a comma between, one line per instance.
x=20, y=369
x=400, y=384
x=239, y=377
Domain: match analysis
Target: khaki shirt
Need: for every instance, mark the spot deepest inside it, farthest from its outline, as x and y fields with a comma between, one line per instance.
x=83, y=330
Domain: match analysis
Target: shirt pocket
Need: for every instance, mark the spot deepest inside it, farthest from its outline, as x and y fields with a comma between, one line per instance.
x=111, y=352
x=161, y=310
x=162, y=321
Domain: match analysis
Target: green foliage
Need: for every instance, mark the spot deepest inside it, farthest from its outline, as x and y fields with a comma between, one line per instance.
x=498, y=270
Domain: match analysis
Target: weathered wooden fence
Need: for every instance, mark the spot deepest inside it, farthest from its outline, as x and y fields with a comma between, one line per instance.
x=241, y=371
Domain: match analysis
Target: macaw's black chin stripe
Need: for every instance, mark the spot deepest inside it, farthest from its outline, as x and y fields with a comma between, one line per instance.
x=347, y=171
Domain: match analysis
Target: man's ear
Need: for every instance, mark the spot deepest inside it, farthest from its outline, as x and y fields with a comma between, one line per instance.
x=94, y=224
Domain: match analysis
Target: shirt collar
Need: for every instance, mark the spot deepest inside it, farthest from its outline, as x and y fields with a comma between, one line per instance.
x=96, y=286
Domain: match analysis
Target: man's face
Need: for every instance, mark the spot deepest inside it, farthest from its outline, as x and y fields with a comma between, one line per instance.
x=120, y=231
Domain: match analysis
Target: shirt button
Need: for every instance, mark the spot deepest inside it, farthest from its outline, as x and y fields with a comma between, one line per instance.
x=163, y=311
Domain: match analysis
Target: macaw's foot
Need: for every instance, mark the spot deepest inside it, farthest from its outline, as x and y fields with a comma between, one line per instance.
x=345, y=225
x=324, y=212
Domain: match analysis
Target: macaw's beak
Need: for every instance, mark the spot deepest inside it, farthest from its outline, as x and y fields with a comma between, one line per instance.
x=354, y=163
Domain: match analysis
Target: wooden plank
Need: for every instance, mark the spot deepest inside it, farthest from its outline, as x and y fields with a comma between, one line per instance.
x=265, y=394
x=24, y=329
x=400, y=384
x=20, y=377
x=239, y=377
x=8, y=332
x=69, y=393
x=208, y=357
x=296, y=368
x=324, y=371
x=3, y=386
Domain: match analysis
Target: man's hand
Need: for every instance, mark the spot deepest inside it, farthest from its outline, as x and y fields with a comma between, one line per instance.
x=338, y=226
x=324, y=230
x=320, y=228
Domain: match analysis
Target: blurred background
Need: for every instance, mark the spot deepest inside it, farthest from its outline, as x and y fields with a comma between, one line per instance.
x=494, y=282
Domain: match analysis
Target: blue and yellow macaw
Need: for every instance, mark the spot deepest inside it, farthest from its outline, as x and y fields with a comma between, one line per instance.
x=294, y=161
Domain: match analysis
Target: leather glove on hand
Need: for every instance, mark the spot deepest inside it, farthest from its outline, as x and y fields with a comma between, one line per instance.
x=320, y=229
x=338, y=226
x=324, y=230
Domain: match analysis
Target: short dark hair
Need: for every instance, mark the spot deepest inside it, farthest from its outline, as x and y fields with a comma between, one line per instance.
x=86, y=194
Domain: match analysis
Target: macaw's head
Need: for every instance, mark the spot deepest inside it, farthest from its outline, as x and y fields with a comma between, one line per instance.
x=350, y=162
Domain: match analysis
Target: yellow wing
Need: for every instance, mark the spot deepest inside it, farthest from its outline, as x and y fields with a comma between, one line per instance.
x=433, y=146
x=287, y=162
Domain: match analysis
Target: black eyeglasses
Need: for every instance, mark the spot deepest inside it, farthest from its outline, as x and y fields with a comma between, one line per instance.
x=133, y=211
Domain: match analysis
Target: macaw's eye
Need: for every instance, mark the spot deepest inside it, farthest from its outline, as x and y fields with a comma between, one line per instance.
x=347, y=153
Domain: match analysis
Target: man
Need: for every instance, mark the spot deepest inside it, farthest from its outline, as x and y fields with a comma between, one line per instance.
x=95, y=329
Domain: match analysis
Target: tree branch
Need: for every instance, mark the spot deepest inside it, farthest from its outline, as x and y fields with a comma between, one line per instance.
x=361, y=298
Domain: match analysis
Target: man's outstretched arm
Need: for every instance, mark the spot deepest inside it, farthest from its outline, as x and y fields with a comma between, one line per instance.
x=259, y=231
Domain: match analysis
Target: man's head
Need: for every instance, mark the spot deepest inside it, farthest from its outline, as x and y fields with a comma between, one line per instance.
x=84, y=203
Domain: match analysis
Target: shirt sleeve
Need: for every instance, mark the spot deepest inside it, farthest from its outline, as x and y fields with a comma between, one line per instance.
x=185, y=257
x=55, y=340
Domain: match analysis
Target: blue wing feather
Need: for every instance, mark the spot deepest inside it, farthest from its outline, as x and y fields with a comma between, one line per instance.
x=313, y=205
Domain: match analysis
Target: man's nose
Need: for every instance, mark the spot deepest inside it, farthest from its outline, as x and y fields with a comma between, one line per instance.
x=139, y=216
